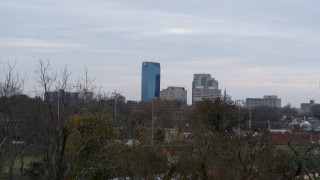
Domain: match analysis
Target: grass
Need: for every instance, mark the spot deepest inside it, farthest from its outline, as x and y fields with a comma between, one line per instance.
x=27, y=159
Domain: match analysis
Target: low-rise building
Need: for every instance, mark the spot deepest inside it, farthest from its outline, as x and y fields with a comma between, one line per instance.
x=174, y=94
x=86, y=95
x=267, y=101
x=68, y=97
x=307, y=108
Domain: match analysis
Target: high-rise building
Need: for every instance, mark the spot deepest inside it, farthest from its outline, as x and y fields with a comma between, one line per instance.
x=204, y=87
x=178, y=94
x=150, y=80
x=266, y=101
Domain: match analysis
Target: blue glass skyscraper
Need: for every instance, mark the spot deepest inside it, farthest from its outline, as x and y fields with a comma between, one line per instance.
x=150, y=80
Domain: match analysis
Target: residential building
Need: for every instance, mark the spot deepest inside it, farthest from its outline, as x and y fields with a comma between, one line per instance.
x=267, y=101
x=204, y=87
x=178, y=94
x=150, y=80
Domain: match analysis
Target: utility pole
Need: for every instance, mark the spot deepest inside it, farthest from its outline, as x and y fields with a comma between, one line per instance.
x=239, y=102
x=58, y=96
x=152, y=120
x=239, y=120
x=250, y=118
x=115, y=104
x=58, y=108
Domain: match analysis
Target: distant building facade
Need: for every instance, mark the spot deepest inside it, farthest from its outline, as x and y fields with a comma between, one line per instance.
x=266, y=101
x=68, y=97
x=86, y=95
x=307, y=106
x=174, y=94
x=53, y=96
x=150, y=81
x=226, y=98
x=204, y=87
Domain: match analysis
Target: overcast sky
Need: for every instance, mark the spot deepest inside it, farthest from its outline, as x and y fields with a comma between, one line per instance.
x=253, y=48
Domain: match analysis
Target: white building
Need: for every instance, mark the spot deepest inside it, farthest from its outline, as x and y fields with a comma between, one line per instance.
x=266, y=101
x=204, y=87
x=174, y=94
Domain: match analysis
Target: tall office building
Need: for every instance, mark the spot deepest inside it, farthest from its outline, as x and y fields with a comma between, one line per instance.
x=204, y=87
x=150, y=81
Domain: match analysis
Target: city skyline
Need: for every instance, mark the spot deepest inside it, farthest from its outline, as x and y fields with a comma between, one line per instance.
x=252, y=48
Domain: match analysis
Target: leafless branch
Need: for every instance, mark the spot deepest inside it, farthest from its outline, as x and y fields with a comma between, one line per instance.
x=47, y=78
x=12, y=84
x=63, y=82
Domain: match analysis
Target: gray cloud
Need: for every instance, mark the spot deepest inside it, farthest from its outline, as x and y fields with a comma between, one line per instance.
x=251, y=47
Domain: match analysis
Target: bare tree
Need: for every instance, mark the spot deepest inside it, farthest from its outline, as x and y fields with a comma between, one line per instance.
x=58, y=116
x=56, y=137
x=46, y=76
x=85, y=84
x=11, y=85
x=63, y=82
